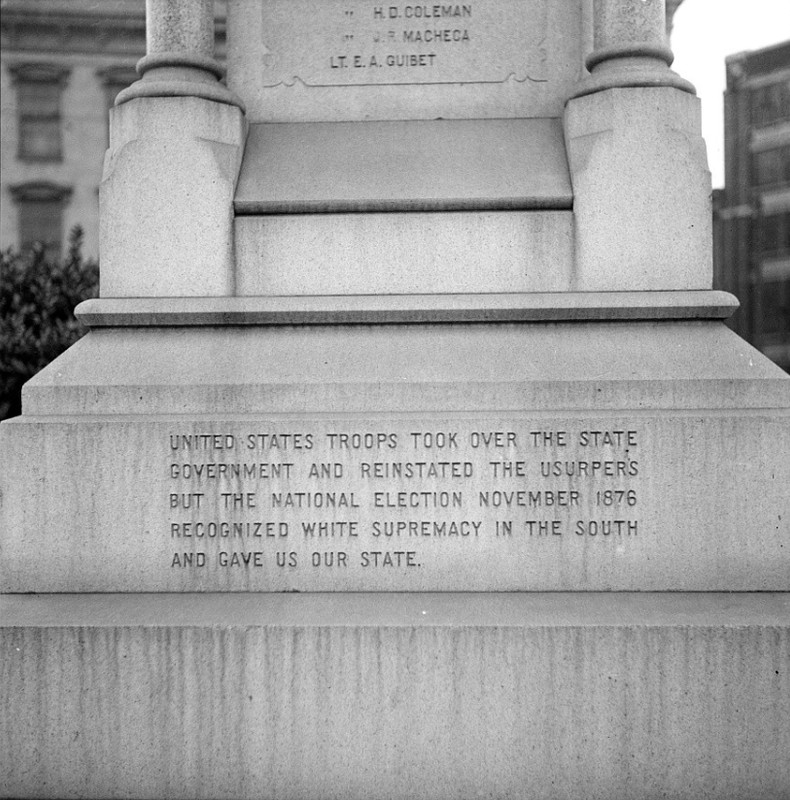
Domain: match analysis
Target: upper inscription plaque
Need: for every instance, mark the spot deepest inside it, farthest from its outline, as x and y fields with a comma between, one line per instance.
x=359, y=42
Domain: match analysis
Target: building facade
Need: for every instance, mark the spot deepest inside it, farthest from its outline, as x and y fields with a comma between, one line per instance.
x=63, y=62
x=752, y=212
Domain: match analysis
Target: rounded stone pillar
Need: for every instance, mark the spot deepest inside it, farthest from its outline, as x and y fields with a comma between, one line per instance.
x=180, y=26
x=630, y=48
x=180, y=54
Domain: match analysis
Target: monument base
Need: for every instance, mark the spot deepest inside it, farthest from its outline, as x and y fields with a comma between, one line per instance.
x=414, y=693
x=585, y=695
x=246, y=455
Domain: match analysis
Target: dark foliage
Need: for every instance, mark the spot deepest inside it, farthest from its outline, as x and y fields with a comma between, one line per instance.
x=37, y=299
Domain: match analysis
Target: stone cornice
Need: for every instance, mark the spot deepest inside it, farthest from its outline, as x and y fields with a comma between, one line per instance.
x=33, y=30
x=38, y=73
x=39, y=191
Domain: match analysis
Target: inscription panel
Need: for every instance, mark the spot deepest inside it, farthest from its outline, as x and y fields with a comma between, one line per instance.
x=462, y=502
x=359, y=43
x=353, y=60
x=392, y=505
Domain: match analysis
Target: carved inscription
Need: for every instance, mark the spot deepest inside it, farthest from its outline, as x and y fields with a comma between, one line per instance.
x=406, y=499
x=358, y=42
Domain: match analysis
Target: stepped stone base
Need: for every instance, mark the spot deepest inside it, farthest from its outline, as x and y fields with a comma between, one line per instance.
x=396, y=695
x=567, y=456
x=411, y=692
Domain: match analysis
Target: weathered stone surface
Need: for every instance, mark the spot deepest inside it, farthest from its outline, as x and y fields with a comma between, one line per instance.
x=410, y=445
x=505, y=501
x=580, y=696
x=623, y=23
x=180, y=26
x=297, y=61
x=411, y=252
x=166, y=198
x=619, y=142
x=340, y=369
x=369, y=378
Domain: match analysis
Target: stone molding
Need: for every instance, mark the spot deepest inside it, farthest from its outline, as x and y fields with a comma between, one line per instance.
x=38, y=72
x=85, y=32
x=359, y=309
x=40, y=191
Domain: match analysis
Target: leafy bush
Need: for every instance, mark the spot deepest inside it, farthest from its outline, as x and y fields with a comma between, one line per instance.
x=37, y=299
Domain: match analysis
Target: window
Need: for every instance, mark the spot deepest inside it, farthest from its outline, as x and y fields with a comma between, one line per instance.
x=771, y=103
x=114, y=79
x=776, y=307
x=772, y=167
x=38, y=88
x=775, y=234
x=41, y=214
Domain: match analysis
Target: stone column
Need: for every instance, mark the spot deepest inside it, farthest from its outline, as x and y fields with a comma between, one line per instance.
x=176, y=142
x=630, y=47
x=180, y=54
x=638, y=164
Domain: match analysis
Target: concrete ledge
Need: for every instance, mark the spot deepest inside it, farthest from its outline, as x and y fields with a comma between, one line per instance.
x=582, y=697
x=398, y=609
x=435, y=165
x=387, y=309
x=424, y=368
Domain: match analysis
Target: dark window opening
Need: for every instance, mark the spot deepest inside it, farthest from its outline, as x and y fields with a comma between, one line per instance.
x=775, y=234
x=776, y=308
x=772, y=167
x=40, y=207
x=771, y=104
x=39, y=88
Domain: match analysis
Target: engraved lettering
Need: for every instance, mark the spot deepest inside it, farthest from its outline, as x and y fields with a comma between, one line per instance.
x=188, y=560
x=329, y=558
x=416, y=469
x=498, y=439
x=240, y=558
x=339, y=529
x=417, y=499
x=314, y=500
x=544, y=527
x=348, y=497
x=389, y=558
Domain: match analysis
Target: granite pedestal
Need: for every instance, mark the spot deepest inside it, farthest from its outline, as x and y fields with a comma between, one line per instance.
x=408, y=454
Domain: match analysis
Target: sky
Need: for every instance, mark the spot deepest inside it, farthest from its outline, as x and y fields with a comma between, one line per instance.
x=706, y=32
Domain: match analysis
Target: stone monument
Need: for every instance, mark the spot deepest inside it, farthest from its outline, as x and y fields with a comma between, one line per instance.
x=407, y=454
